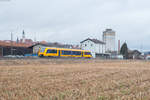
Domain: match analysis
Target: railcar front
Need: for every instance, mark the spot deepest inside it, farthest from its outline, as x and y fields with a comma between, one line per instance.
x=41, y=52
x=51, y=52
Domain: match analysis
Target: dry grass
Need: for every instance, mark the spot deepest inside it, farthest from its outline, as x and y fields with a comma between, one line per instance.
x=44, y=79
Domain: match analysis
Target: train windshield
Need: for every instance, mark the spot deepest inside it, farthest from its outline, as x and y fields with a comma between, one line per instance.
x=42, y=50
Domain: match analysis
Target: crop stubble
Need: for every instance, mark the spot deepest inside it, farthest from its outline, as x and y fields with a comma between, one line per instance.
x=69, y=79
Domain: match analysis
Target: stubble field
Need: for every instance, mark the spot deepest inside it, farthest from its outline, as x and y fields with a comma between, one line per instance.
x=73, y=79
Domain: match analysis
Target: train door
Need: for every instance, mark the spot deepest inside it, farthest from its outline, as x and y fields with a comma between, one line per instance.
x=59, y=53
x=82, y=54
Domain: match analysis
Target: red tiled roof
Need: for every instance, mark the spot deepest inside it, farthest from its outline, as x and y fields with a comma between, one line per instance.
x=8, y=43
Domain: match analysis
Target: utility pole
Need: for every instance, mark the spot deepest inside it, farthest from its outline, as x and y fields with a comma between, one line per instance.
x=118, y=46
x=141, y=48
x=2, y=52
x=35, y=38
x=11, y=43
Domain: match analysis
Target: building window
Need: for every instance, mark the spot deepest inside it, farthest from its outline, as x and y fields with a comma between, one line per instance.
x=91, y=45
x=85, y=45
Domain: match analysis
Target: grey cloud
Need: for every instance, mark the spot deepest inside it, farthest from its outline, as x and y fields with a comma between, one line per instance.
x=71, y=21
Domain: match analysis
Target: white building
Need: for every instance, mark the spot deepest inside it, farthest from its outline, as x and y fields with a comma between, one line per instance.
x=94, y=45
x=109, y=38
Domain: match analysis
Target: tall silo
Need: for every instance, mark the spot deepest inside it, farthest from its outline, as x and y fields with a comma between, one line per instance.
x=109, y=38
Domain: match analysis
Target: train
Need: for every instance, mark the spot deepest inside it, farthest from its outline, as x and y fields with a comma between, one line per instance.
x=63, y=52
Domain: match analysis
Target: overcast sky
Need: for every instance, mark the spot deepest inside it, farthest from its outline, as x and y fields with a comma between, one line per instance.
x=71, y=21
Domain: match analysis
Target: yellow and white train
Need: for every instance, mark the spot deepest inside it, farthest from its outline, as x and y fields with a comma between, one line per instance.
x=62, y=52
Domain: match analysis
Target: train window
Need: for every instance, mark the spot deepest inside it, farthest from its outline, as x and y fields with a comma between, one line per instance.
x=76, y=52
x=66, y=52
x=87, y=53
x=51, y=51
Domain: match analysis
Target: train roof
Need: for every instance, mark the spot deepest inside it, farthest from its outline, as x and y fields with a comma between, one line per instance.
x=67, y=49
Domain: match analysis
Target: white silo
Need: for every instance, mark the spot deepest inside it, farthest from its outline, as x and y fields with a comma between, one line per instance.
x=109, y=38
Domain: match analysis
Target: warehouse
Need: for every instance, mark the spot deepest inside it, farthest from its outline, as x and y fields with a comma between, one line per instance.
x=13, y=49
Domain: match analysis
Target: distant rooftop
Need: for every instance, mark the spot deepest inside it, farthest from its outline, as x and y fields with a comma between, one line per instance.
x=93, y=40
x=55, y=44
x=109, y=31
x=8, y=43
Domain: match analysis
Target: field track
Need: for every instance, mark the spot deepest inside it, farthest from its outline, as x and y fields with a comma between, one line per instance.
x=73, y=79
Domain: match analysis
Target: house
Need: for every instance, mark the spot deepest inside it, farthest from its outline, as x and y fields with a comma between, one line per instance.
x=96, y=46
x=134, y=54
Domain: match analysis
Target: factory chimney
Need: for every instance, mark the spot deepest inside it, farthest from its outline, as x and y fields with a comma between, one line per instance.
x=118, y=46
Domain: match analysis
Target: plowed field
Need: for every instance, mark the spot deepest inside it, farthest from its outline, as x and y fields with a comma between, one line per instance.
x=73, y=79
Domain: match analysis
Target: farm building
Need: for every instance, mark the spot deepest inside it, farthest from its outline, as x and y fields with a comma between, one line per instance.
x=13, y=48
